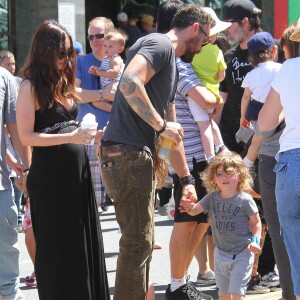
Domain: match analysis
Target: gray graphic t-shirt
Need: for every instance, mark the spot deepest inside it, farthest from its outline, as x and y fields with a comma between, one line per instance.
x=230, y=220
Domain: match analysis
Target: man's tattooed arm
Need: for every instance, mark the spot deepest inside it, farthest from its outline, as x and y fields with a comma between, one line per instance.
x=132, y=85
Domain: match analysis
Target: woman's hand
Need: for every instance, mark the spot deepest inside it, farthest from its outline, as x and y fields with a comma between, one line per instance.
x=98, y=136
x=82, y=136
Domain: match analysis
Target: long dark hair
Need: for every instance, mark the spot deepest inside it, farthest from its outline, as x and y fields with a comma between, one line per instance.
x=292, y=47
x=40, y=66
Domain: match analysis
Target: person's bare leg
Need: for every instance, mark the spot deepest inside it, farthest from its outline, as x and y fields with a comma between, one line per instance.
x=211, y=251
x=225, y=297
x=207, y=138
x=237, y=297
x=217, y=138
x=202, y=257
x=179, y=247
x=197, y=236
x=151, y=292
x=30, y=244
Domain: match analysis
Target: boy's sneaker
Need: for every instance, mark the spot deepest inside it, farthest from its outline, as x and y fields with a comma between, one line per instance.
x=186, y=292
x=254, y=286
x=206, y=279
x=270, y=280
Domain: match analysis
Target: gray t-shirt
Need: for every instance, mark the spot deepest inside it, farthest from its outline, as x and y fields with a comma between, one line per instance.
x=8, y=93
x=230, y=220
x=125, y=126
x=270, y=143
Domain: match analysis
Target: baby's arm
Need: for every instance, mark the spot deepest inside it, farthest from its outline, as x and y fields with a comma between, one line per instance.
x=244, y=105
x=191, y=208
x=220, y=75
x=94, y=70
x=255, y=225
x=115, y=68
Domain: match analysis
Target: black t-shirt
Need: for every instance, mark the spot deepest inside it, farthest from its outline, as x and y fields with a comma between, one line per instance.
x=237, y=68
x=133, y=33
x=125, y=125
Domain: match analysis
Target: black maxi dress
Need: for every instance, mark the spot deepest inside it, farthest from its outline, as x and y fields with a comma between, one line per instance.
x=70, y=262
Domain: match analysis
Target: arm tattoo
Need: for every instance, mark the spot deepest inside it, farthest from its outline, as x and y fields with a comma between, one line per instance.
x=128, y=84
x=142, y=109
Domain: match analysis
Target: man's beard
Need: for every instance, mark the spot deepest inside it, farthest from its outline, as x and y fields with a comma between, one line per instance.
x=189, y=54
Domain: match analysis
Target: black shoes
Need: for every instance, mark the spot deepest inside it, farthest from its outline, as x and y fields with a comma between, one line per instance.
x=186, y=292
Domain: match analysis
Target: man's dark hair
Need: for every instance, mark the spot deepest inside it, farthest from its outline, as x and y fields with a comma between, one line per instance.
x=165, y=14
x=190, y=14
x=255, y=23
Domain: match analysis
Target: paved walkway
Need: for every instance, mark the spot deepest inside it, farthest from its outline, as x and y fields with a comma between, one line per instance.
x=160, y=269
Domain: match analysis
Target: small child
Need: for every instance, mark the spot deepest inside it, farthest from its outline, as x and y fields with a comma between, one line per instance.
x=112, y=65
x=235, y=222
x=209, y=66
x=257, y=84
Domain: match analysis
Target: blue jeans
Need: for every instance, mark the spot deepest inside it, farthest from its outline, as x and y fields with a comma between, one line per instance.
x=288, y=207
x=267, y=181
x=18, y=197
x=9, y=253
x=128, y=179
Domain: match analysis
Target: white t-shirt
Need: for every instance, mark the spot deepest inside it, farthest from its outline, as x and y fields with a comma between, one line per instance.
x=286, y=84
x=259, y=80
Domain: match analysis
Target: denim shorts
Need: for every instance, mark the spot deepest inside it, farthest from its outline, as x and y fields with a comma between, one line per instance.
x=233, y=272
x=288, y=207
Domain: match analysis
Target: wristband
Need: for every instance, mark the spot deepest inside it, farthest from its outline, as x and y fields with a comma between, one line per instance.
x=163, y=128
x=187, y=180
x=256, y=240
x=25, y=171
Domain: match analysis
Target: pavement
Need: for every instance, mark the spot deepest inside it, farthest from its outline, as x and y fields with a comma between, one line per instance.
x=160, y=266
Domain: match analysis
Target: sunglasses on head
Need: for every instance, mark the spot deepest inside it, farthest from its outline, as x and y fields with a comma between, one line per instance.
x=208, y=40
x=98, y=36
x=63, y=53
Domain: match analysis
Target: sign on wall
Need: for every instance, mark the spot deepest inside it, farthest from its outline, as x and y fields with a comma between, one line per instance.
x=66, y=17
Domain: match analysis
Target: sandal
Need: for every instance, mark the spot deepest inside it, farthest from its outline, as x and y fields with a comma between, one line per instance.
x=30, y=281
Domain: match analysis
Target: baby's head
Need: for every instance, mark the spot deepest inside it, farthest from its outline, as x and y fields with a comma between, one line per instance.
x=114, y=43
x=230, y=163
x=262, y=48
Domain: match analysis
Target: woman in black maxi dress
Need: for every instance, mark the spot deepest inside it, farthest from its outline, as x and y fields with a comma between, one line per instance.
x=69, y=261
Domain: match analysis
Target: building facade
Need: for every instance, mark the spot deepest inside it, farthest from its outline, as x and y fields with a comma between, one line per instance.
x=19, y=18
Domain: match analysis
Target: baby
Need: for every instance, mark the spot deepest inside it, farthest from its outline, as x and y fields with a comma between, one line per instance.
x=112, y=65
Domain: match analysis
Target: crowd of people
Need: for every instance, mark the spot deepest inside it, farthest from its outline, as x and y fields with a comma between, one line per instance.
x=177, y=83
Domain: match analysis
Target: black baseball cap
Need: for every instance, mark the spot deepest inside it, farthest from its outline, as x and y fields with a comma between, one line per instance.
x=239, y=9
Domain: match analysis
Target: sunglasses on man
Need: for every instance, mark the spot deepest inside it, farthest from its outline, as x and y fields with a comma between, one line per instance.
x=202, y=31
x=63, y=53
x=98, y=36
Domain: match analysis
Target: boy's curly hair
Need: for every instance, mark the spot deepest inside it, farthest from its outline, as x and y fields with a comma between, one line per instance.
x=231, y=163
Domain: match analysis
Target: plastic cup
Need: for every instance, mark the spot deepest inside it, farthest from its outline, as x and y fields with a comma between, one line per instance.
x=166, y=149
x=93, y=127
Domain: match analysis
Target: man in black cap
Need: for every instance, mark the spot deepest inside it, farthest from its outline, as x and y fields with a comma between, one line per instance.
x=244, y=16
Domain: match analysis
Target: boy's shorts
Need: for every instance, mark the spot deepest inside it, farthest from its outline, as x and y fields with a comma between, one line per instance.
x=200, y=190
x=233, y=272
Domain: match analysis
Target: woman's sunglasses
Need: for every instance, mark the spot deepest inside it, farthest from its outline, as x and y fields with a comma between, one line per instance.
x=62, y=54
x=98, y=36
